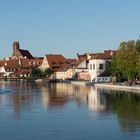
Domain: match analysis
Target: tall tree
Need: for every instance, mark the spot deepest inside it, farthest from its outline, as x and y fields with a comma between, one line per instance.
x=126, y=60
x=138, y=45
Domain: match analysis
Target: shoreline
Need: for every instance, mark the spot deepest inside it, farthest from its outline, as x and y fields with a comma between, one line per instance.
x=107, y=86
x=118, y=87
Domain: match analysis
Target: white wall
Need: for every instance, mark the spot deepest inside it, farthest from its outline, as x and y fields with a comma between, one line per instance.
x=60, y=75
x=68, y=74
x=94, y=72
x=82, y=67
x=103, y=79
x=2, y=70
x=45, y=64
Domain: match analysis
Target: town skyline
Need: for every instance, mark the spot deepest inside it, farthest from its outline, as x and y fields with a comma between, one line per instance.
x=67, y=27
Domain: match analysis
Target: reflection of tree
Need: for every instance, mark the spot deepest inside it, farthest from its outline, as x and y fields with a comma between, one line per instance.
x=127, y=107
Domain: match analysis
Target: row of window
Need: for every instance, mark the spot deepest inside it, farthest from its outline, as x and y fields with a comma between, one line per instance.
x=34, y=63
x=102, y=79
x=92, y=66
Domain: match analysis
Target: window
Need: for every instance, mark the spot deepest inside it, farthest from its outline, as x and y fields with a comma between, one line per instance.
x=91, y=66
x=101, y=66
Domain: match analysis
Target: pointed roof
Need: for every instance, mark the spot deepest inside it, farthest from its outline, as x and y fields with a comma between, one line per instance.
x=55, y=61
x=26, y=53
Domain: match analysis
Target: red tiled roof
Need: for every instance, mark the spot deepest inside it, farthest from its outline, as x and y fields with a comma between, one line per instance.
x=101, y=56
x=77, y=62
x=23, y=63
x=55, y=61
x=19, y=72
x=59, y=62
x=69, y=61
x=26, y=53
x=10, y=64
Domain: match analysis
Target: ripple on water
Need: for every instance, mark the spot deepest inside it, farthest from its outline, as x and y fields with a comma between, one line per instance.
x=5, y=91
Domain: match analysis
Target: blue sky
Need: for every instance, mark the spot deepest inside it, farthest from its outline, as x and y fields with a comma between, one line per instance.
x=67, y=26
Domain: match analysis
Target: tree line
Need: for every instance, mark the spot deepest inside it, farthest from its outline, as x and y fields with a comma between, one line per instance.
x=125, y=65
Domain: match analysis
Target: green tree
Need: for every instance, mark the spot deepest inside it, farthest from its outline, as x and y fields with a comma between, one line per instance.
x=138, y=67
x=138, y=45
x=47, y=72
x=127, y=59
x=36, y=73
x=124, y=64
x=115, y=70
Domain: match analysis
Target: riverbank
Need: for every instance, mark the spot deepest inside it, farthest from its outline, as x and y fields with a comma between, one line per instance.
x=85, y=83
x=135, y=88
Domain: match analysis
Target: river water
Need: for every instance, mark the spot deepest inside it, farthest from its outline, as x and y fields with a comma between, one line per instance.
x=30, y=111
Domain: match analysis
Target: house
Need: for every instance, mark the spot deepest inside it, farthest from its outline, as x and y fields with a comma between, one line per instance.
x=64, y=74
x=62, y=67
x=21, y=73
x=98, y=65
x=8, y=68
x=20, y=53
x=104, y=77
x=53, y=61
x=81, y=67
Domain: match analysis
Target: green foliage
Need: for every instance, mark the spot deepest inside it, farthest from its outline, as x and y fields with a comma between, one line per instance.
x=37, y=73
x=48, y=72
x=126, y=64
x=138, y=66
x=115, y=70
x=138, y=45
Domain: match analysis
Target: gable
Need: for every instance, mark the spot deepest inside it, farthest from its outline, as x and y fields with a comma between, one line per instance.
x=82, y=65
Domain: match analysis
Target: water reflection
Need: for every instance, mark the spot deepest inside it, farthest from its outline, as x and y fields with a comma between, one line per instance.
x=30, y=97
x=96, y=100
x=127, y=108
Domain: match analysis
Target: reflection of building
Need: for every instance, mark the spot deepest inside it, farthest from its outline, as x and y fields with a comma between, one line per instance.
x=57, y=95
x=96, y=100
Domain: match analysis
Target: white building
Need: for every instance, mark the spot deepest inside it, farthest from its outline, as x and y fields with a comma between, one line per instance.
x=65, y=74
x=97, y=67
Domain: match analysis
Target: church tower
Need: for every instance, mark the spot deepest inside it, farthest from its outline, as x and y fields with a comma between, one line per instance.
x=15, y=46
x=20, y=53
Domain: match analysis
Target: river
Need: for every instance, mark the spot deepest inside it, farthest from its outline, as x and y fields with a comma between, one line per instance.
x=30, y=111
